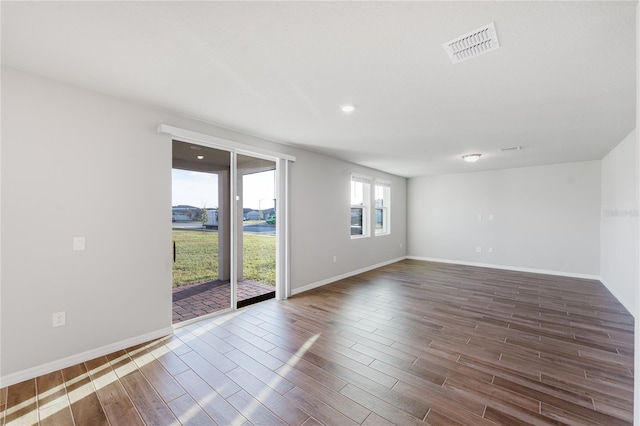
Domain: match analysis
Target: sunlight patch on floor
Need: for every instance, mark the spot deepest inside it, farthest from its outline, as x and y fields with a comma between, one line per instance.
x=250, y=408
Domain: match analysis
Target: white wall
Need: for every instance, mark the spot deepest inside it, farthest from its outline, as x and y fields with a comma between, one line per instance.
x=322, y=195
x=73, y=165
x=619, y=222
x=77, y=163
x=544, y=218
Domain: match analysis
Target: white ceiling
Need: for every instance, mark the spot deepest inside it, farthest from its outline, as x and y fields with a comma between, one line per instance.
x=562, y=84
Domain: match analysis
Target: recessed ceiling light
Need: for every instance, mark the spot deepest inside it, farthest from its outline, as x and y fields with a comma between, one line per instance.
x=471, y=158
x=200, y=157
x=196, y=148
x=347, y=108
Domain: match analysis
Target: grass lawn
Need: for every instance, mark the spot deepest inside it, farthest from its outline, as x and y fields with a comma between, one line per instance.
x=197, y=257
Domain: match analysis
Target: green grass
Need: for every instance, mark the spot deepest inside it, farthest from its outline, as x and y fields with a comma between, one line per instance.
x=260, y=258
x=197, y=257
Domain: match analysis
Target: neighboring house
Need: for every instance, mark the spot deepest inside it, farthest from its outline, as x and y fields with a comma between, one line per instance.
x=184, y=213
x=253, y=215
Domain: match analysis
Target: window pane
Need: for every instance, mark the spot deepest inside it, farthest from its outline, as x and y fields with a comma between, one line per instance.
x=357, y=192
x=381, y=204
x=361, y=209
x=356, y=221
x=380, y=190
x=379, y=219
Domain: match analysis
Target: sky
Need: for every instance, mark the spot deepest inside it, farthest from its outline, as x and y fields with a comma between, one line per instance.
x=201, y=189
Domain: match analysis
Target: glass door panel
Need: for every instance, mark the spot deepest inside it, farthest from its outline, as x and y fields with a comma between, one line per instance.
x=201, y=229
x=256, y=229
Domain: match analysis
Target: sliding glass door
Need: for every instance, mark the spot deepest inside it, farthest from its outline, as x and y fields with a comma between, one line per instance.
x=224, y=223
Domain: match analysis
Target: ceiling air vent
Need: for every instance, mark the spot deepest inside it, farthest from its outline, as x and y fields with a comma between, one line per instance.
x=511, y=148
x=470, y=45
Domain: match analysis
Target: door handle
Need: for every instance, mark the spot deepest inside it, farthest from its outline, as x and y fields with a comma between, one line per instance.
x=174, y=252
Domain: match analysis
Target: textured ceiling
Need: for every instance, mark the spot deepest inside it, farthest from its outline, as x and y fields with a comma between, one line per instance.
x=562, y=84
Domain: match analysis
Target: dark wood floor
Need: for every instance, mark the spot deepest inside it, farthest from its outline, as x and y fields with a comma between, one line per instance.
x=410, y=343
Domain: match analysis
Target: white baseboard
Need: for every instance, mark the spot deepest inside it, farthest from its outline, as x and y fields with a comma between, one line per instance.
x=509, y=268
x=59, y=364
x=343, y=276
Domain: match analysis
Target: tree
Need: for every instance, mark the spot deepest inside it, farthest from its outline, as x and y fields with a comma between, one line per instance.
x=204, y=215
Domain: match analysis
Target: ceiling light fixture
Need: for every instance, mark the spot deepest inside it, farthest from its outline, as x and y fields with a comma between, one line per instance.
x=471, y=158
x=347, y=108
x=200, y=157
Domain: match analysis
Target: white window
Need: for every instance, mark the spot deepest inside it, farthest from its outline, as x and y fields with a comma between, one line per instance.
x=360, y=196
x=382, y=207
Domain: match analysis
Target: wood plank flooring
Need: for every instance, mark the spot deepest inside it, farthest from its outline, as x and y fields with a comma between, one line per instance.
x=412, y=343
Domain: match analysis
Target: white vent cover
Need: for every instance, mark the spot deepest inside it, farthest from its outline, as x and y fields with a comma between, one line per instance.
x=511, y=148
x=472, y=44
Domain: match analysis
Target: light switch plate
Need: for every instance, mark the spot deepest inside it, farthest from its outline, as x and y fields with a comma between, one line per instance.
x=78, y=243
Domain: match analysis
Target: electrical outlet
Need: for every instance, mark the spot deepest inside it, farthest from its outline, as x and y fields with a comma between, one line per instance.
x=59, y=319
x=490, y=249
